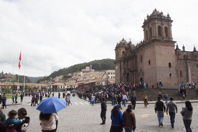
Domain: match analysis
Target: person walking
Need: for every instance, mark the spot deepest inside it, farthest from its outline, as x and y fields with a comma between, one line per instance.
x=113, y=99
x=129, y=121
x=41, y=96
x=92, y=100
x=49, y=122
x=124, y=99
x=68, y=99
x=160, y=109
x=21, y=96
x=63, y=95
x=119, y=100
x=186, y=113
x=172, y=110
x=3, y=99
x=59, y=94
x=145, y=101
x=16, y=97
x=133, y=102
x=103, y=111
x=13, y=98
x=116, y=119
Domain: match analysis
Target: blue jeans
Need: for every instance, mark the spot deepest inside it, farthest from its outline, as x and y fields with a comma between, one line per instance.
x=160, y=116
x=172, y=117
x=124, y=102
x=112, y=101
x=187, y=124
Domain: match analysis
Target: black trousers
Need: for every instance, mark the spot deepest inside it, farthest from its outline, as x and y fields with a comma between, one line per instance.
x=3, y=104
x=116, y=129
x=187, y=124
x=49, y=131
x=103, y=116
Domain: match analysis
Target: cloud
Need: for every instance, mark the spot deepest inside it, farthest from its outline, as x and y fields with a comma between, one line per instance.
x=53, y=34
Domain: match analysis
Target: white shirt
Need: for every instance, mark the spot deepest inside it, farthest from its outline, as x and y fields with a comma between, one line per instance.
x=50, y=124
x=124, y=97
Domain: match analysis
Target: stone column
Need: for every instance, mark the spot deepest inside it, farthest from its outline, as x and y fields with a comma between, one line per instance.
x=189, y=74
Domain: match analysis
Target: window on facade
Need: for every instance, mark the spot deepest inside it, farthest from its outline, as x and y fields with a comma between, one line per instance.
x=149, y=62
x=181, y=74
x=146, y=35
x=122, y=52
x=170, y=74
x=169, y=65
x=127, y=78
x=150, y=31
x=166, y=32
x=159, y=31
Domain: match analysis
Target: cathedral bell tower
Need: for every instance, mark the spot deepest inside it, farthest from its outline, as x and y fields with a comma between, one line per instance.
x=119, y=51
x=160, y=52
x=120, y=48
x=157, y=27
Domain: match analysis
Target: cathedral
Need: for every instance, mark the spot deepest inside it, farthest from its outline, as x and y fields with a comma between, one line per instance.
x=157, y=58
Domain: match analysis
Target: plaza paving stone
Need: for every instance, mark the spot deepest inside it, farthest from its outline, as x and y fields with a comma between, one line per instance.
x=83, y=117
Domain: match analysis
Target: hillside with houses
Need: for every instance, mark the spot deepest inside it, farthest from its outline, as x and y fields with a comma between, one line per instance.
x=98, y=72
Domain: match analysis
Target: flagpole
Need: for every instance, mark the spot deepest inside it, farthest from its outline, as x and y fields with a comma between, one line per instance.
x=24, y=83
x=18, y=87
x=23, y=90
x=19, y=66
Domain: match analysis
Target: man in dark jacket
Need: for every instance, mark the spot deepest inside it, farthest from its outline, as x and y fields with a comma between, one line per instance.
x=133, y=102
x=3, y=99
x=129, y=121
x=160, y=109
x=103, y=111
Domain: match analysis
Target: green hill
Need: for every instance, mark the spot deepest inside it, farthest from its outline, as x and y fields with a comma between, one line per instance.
x=104, y=64
x=8, y=77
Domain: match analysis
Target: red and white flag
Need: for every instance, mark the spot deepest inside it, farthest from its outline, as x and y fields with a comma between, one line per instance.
x=19, y=64
x=20, y=58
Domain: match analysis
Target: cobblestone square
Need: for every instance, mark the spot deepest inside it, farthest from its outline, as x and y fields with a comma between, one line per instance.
x=83, y=117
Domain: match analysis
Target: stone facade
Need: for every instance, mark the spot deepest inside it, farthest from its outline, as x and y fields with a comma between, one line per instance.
x=155, y=58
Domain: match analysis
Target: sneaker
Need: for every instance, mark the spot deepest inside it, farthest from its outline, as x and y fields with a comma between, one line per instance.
x=160, y=124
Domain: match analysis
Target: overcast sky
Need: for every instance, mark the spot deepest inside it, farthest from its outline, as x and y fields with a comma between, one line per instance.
x=53, y=34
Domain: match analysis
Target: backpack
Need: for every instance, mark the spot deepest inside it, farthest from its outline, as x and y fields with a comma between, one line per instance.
x=11, y=128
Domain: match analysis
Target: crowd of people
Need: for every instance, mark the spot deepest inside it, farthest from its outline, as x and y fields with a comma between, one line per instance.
x=118, y=95
x=127, y=119
x=171, y=109
x=184, y=86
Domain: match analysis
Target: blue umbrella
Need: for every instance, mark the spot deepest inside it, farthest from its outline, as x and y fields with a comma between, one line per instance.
x=51, y=105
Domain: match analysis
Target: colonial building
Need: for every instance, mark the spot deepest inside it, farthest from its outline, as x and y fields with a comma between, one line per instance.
x=156, y=58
